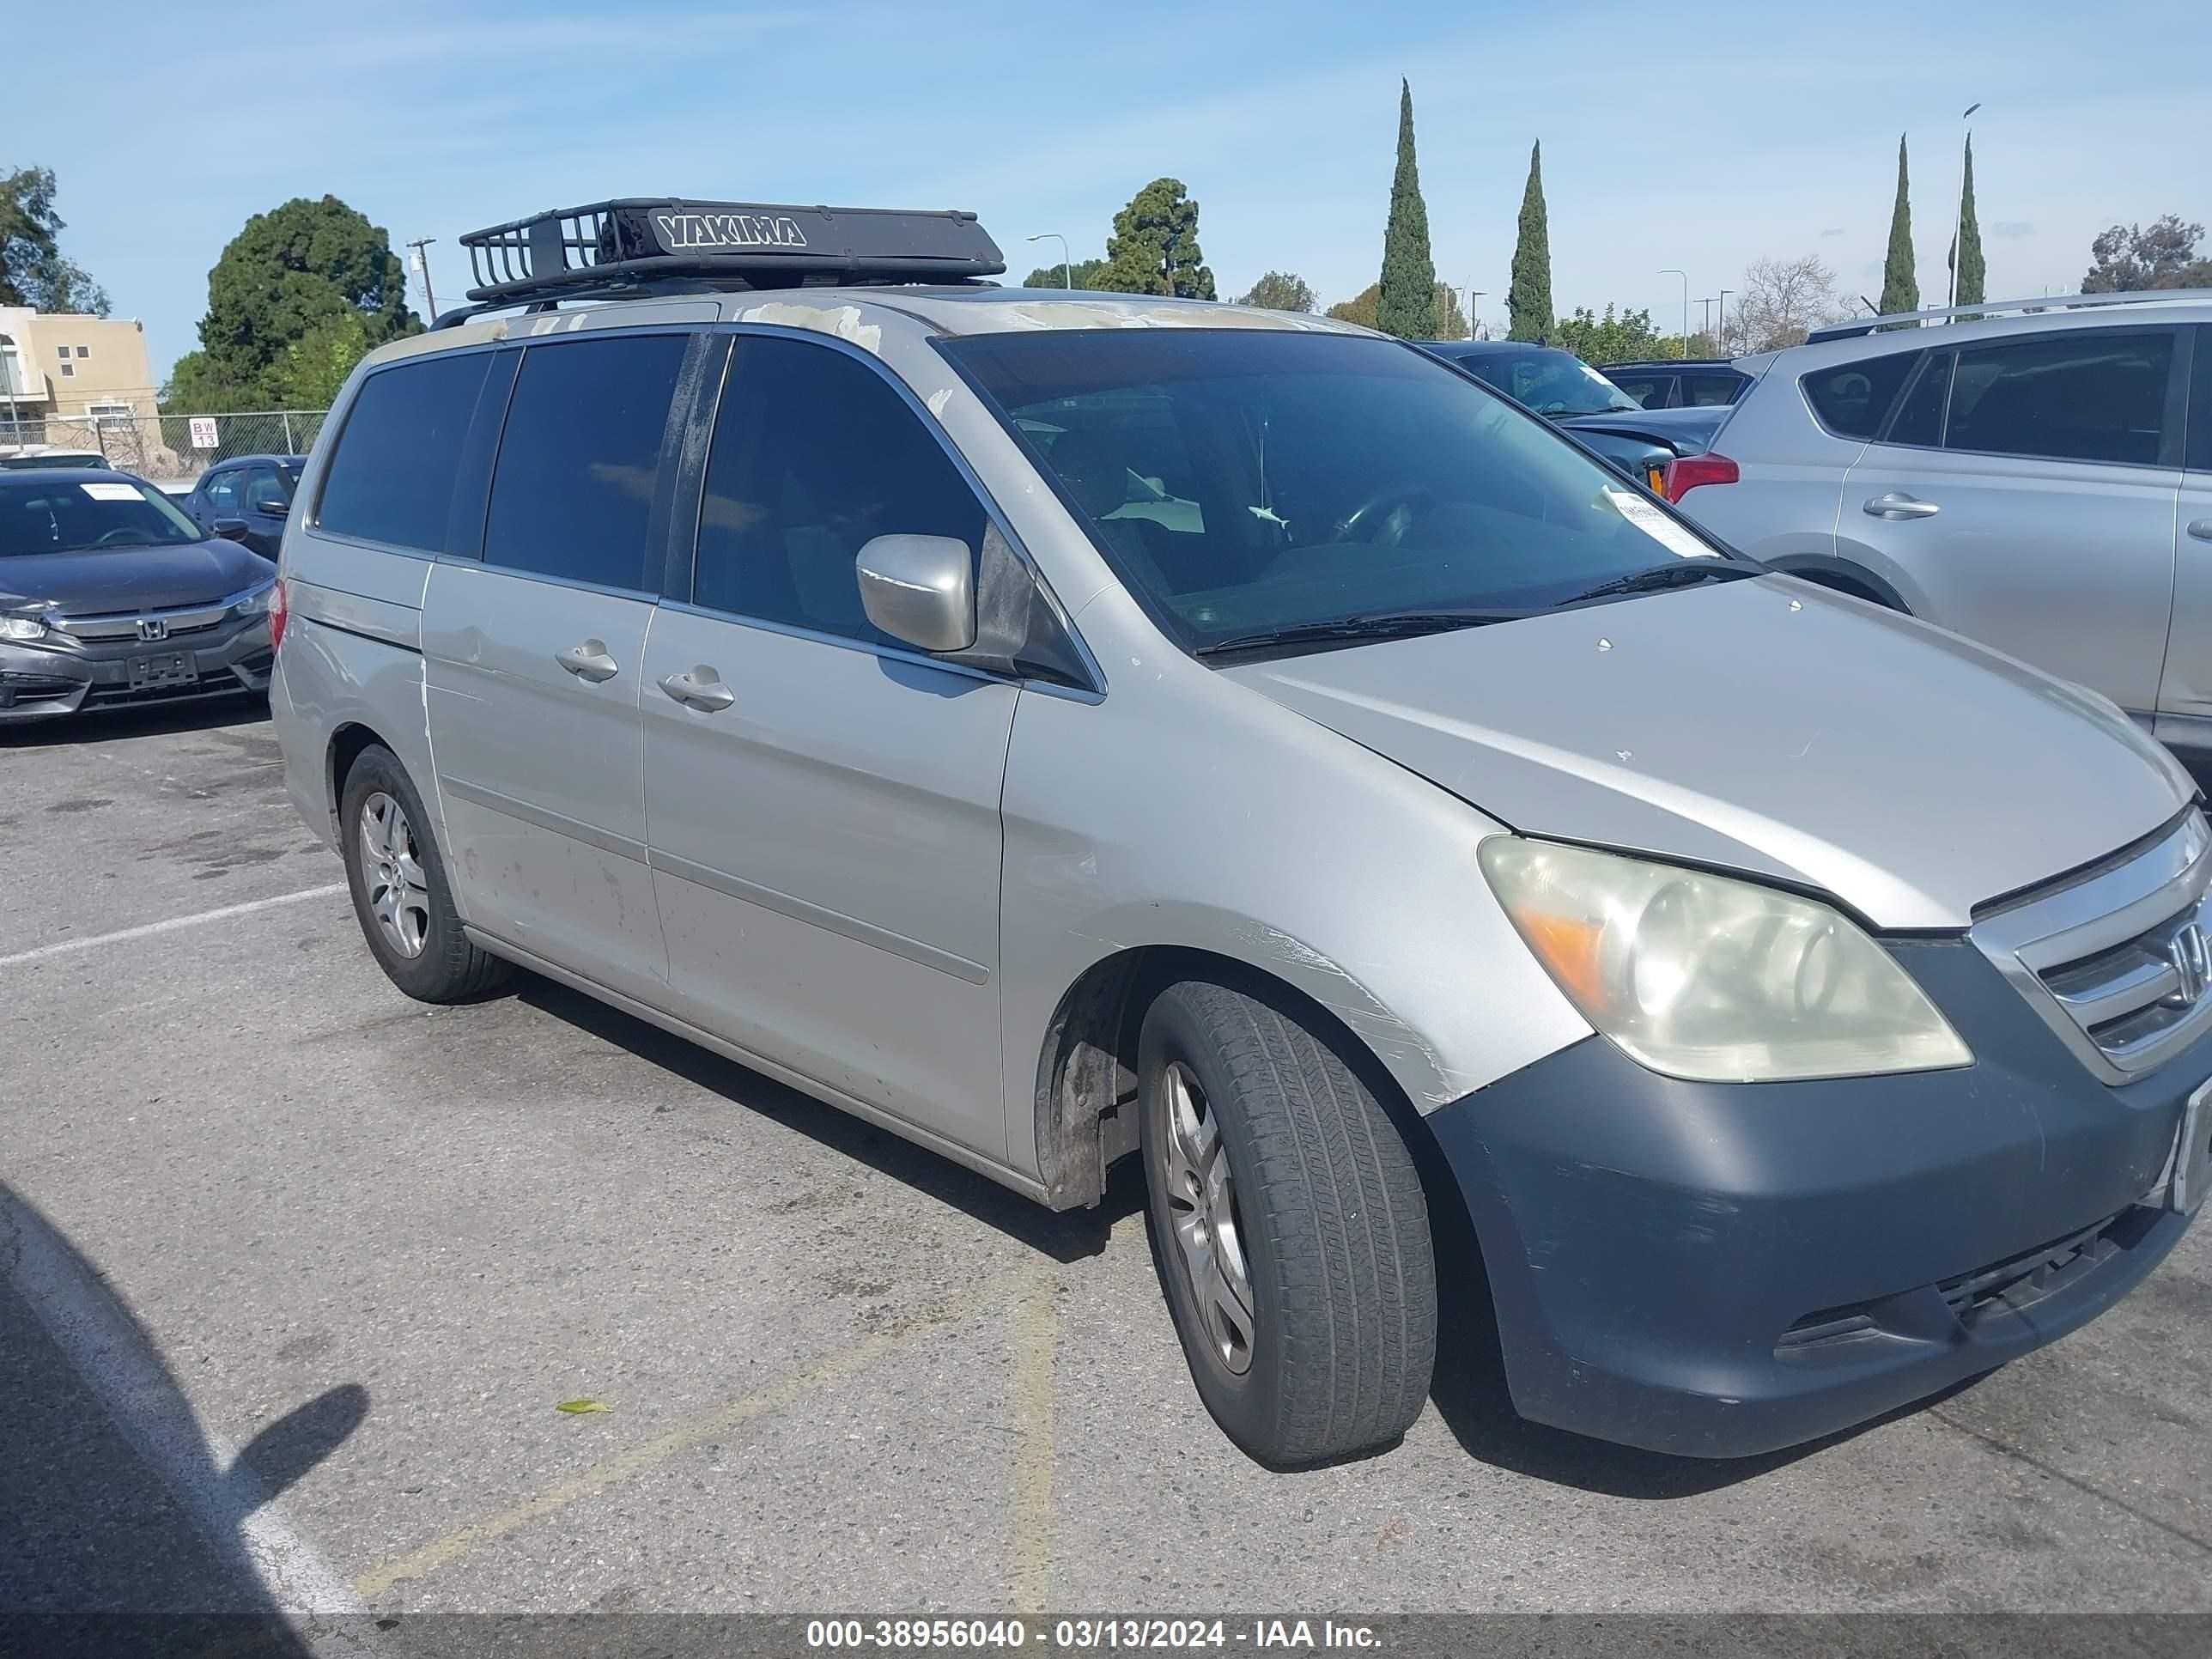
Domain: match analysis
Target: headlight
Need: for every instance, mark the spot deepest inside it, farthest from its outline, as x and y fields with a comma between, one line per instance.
x=255, y=604
x=1698, y=977
x=21, y=627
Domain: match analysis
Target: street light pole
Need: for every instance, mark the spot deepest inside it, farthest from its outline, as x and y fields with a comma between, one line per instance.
x=1705, y=318
x=1719, y=340
x=1959, y=219
x=1473, y=294
x=1066, y=265
x=422, y=265
x=1685, y=275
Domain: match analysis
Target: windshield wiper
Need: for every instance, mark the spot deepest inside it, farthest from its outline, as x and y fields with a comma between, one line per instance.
x=1680, y=574
x=1387, y=625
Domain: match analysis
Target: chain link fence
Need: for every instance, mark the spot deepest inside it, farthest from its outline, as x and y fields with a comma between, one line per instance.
x=170, y=450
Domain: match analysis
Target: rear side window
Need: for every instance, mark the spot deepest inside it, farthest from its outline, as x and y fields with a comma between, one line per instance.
x=814, y=456
x=2095, y=395
x=391, y=478
x=1919, y=417
x=580, y=459
x=2200, y=405
x=1851, y=398
x=1711, y=391
x=1650, y=391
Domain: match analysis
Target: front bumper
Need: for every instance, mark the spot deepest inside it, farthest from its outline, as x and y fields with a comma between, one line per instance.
x=42, y=682
x=1724, y=1269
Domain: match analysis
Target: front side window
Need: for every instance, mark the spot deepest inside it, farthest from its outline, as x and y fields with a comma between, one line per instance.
x=97, y=515
x=580, y=459
x=1245, y=482
x=814, y=456
x=262, y=489
x=391, y=478
x=1711, y=391
x=1645, y=390
x=220, y=491
x=2090, y=395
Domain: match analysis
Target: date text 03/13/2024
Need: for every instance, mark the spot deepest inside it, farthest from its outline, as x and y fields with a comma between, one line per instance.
x=1089, y=1635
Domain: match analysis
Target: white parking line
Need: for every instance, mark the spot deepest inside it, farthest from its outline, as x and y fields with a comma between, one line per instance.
x=68, y=947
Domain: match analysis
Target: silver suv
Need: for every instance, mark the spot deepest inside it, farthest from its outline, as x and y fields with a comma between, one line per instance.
x=2041, y=483
x=1057, y=728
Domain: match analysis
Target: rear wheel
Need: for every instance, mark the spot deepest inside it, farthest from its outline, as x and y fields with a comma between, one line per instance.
x=1288, y=1226
x=400, y=896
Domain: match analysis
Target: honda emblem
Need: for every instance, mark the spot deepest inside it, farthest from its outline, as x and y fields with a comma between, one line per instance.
x=153, y=630
x=2192, y=965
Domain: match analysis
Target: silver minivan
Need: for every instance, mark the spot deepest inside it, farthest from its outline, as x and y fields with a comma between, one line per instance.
x=2040, y=482
x=1058, y=728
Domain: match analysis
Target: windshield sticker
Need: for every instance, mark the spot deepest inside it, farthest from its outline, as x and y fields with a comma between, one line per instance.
x=111, y=492
x=1657, y=525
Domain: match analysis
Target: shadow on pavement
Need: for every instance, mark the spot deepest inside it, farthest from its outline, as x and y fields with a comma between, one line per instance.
x=120, y=1530
x=146, y=720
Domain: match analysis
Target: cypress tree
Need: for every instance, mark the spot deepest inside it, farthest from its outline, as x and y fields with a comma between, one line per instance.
x=1528, y=301
x=1406, y=305
x=1900, y=289
x=1973, y=270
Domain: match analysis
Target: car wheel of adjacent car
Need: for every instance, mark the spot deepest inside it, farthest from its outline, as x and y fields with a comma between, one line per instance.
x=1288, y=1225
x=398, y=877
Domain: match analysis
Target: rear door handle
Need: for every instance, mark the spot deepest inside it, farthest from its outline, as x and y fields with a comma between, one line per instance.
x=700, y=688
x=589, y=661
x=2201, y=529
x=1899, y=505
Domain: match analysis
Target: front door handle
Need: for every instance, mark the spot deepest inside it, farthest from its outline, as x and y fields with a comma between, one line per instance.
x=1899, y=505
x=700, y=688
x=2201, y=529
x=589, y=661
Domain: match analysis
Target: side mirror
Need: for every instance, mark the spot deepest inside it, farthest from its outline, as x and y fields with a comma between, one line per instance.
x=920, y=589
x=230, y=530
x=275, y=509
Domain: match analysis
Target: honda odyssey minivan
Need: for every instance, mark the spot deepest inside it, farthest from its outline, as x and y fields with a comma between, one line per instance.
x=1064, y=727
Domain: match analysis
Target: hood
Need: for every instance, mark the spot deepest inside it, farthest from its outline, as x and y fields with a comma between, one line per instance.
x=1685, y=431
x=1763, y=726
x=132, y=578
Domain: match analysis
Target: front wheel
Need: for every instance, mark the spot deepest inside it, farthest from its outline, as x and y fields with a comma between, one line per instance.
x=1288, y=1225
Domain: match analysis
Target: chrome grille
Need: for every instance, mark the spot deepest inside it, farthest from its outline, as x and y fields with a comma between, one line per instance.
x=2114, y=958
x=197, y=620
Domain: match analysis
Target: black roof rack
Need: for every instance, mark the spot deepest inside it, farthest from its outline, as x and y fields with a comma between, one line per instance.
x=643, y=245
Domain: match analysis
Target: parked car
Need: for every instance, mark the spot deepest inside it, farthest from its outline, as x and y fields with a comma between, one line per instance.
x=40, y=457
x=109, y=594
x=2040, y=482
x=1561, y=387
x=1252, y=747
x=1680, y=383
x=253, y=492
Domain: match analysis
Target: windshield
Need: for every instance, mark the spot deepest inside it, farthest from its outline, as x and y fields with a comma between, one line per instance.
x=1246, y=482
x=1549, y=381
x=52, y=515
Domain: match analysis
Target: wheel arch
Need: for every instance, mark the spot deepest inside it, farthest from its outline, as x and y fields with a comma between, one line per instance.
x=1843, y=575
x=347, y=741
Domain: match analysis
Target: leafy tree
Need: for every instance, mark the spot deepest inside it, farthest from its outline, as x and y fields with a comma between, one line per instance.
x=292, y=274
x=1079, y=273
x=314, y=366
x=34, y=270
x=1280, y=290
x=198, y=386
x=1528, y=301
x=1363, y=307
x=1154, y=247
x=1406, y=304
x=2129, y=257
x=1900, y=289
x=1966, y=247
x=1618, y=336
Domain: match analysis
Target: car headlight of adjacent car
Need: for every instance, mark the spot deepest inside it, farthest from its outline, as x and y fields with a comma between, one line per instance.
x=1698, y=977
x=23, y=630
x=255, y=604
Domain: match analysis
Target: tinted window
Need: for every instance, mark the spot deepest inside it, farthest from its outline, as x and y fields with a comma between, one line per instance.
x=219, y=492
x=1851, y=398
x=392, y=479
x=1919, y=417
x=1711, y=391
x=1241, y=481
x=262, y=489
x=579, y=458
x=813, y=456
x=2090, y=396
x=1650, y=391
x=2200, y=405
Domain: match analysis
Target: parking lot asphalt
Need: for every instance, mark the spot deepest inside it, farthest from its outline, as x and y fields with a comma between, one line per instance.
x=296, y=1272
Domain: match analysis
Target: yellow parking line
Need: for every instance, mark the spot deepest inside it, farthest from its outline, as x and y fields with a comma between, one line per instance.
x=1032, y=1391
x=623, y=1465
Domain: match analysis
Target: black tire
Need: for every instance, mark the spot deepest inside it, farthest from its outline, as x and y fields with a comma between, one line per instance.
x=1327, y=1210
x=448, y=968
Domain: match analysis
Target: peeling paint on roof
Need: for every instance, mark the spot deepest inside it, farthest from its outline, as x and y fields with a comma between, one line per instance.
x=443, y=339
x=843, y=321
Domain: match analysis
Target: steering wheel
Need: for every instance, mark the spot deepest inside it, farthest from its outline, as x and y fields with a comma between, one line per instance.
x=1377, y=519
x=123, y=533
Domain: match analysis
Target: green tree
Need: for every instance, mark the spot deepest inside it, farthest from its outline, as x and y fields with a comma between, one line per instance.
x=1154, y=247
x=1966, y=246
x=294, y=273
x=1528, y=301
x=2129, y=257
x=1084, y=273
x=34, y=270
x=1618, y=336
x=314, y=366
x=1280, y=290
x=1900, y=289
x=1363, y=306
x=1406, y=304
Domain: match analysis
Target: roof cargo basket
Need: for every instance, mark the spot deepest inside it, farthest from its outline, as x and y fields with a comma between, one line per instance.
x=641, y=244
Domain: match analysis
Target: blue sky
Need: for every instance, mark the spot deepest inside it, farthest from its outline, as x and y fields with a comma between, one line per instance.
x=1698, y=138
